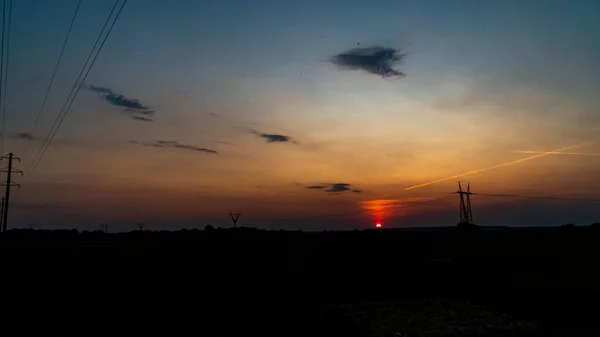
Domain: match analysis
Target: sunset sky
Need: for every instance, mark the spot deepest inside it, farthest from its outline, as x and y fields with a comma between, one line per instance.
x=270, y=108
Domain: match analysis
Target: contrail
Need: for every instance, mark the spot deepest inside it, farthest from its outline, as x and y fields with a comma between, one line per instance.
x=501, y=165
x=567, y=153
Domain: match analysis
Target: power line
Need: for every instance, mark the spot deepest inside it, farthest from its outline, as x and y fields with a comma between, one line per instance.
x=65, y=110
x=50, y=137
x=2, y=66
x=6, y=65
x=537, y=197
x=2, y=71
x=62, y=50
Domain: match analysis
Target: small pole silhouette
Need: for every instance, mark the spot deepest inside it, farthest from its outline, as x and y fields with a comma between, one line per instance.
x=234, y=218
x=466, y=216
x=141, y=226
x=9, y=170
x=104, y=228
x=1, y=213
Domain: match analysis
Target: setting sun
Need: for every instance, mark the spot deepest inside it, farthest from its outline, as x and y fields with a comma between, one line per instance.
x=378, y=225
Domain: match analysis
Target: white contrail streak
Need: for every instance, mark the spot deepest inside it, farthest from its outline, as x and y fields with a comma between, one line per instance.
x=566, y=153
x=542, y=154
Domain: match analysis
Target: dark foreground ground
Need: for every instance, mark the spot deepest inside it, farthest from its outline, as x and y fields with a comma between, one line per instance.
x=541, y=282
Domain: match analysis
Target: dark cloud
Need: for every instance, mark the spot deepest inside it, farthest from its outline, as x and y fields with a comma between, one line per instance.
x=334, y=188
x=131, y=106
x=23, y=135
x=176, y=145
x=101, y=90
x=374, y=60
x=337, y=188
x=142, y=118
x=275, y=138
x=272, y=138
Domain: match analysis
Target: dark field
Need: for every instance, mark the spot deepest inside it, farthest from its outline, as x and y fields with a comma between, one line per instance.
x=528, y=282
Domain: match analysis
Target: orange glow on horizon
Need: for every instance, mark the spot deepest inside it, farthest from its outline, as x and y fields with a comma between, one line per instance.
x=378, y=225
x=379, y=209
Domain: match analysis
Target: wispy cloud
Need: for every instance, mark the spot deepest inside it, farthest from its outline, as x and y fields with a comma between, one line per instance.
x=87, y=143
x=334, y=188
x=374, y=60
x=176, y=145
x=23, y=135
x=273, y=137
x=131, y=106
x=142, y=118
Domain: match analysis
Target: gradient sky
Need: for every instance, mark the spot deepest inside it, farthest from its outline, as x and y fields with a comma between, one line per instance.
x=484, y=80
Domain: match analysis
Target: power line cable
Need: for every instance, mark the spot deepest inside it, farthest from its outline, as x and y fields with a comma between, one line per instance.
x=2, y=73
x=73, y=89
x=536, y=197
x=60, y=56
x=10, y=6
x=65, y=111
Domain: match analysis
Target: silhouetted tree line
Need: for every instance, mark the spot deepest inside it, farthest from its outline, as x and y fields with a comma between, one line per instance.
x=530, y=269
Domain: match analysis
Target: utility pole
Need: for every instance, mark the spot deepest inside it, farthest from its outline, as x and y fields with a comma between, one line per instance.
x=234, y=218
x=141, y=226
x=8, y=183
x=466, y=216
x=104, y=228
x=1, y=213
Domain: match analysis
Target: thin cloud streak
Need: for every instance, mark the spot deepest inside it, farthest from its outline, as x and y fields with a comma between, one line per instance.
x=142, y=118
x=500, y=165
x=176, y=145
x=131, y=106
x=23, y=135
x=563, y=153
x=334, y=188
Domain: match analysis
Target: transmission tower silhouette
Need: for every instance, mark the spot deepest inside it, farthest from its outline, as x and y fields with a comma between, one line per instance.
x=8, y=183
x=466, y=216
x=234, y=218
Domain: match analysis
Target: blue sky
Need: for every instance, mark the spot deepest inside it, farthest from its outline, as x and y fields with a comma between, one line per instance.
x=484, y=80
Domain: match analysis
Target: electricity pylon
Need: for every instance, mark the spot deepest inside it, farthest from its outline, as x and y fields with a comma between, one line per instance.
x=234, y=218
x=8, y=183
x=466, y=216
